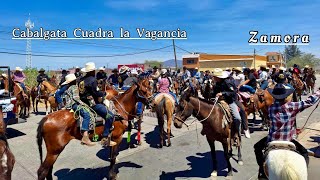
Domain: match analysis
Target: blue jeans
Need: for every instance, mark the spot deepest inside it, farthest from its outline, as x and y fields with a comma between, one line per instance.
x=23, y=86
x=102, y=111
x=59, y=93
x=139, y=108
x=86, y=117
x=125, y=88
x=264, y=84
x=246, y=88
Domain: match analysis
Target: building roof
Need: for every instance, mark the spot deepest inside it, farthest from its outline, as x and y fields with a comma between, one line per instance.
x=272, y=53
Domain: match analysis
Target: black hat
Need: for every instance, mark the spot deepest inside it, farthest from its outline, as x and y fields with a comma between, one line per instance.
x=41, y=70
x=114, y=70
x=155, y=67
x=64, y=71
x=280, y=91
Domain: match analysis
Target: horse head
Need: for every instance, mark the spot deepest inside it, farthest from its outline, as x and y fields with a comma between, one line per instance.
x=183, y=110
x=144, y=91
x=47, y=86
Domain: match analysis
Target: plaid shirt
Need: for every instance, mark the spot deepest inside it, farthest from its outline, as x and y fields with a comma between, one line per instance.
x=72, y=96
x=283, y=117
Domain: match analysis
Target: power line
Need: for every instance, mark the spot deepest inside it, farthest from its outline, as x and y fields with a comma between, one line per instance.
x=82, y=56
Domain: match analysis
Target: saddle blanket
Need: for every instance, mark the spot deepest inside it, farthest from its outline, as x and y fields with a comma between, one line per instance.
x=159, y=96
x=243, y=96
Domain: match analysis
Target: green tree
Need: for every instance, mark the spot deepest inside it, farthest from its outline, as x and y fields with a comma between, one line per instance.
x=305, y=59
x=291, y=51
x=31, y=74
x=152, y=63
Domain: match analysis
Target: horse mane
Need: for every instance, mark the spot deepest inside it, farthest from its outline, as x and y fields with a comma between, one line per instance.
x=51, y=83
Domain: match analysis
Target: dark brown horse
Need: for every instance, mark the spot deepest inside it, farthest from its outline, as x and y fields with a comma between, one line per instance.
x=23, y=101
x=310, y=81
x=298, y=85
x=7, y=159
x=211, y=117
x=59, y=128
x=47, y=90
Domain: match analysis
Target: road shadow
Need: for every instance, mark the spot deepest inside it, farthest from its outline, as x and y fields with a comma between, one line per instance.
x=13, y=133
x=153, y=137
x=91, y=173
x=200, y=167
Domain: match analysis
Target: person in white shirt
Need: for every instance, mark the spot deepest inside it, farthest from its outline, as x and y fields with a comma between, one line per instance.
x=263, y=77
x=238, y=76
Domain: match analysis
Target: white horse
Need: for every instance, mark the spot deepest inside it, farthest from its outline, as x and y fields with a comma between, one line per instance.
x=283, y=164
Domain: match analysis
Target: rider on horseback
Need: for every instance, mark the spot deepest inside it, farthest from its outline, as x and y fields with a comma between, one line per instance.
x=283, y=116
x=94, y=98
x=73, y=102
x=123, y=75
x=40, y=78
x=263, y=77
x=250, y=84
x=19, y=77
x=113, y=78
x=164, y=83
x=62, y=89
x=226, y=88
x=101, y=74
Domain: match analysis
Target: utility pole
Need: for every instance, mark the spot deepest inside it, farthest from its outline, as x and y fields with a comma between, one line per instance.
x=254, y=58
x=29, y=25
x=175, y=55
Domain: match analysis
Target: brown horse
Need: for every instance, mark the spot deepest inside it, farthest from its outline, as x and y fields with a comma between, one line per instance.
x=6, y=157
x=298, y=85
x=47, y=91
x=164, y=106
x=23, y=101
x=310, y=81
x=211, y=117
x=59, y=128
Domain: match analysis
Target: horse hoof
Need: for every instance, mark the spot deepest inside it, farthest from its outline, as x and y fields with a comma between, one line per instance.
x=132, y=146
x=214, y=174
x=169, y=144
x=240, y=163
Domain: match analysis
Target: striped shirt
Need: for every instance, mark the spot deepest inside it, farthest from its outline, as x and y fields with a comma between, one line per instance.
x=283, y=117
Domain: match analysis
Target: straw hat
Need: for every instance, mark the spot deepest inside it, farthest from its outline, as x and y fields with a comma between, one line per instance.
x=123, y=69
x=101, y=69
x=263, y=66
x=237, y=69
x=69, y=79
x=4, y=75
x=196, y=68
x=273, y=66
x=19, y=69
x=219, y=73
x=282, y=68
x=307, y=66
x=227, y=69
x=90, y=66
x=163, y=71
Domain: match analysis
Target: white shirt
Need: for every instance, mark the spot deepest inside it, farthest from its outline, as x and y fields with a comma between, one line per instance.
x=263, y=76
x=238, y=79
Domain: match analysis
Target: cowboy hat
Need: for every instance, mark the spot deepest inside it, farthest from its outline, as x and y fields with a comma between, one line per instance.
x=4, y=75
x=196, y=68
x=220, y=74
x=273, y=66
x=263, y=66
x=69, y=79
x=155, y=67
x=307, y=66
x=282, y=68
x=267, y=68
x=237, y=69
x=114, y=70
x=280, y=91
x=90, y=66
x=77, y=67
x=101, y=69
x=227, y=69
x=41, y=70
x=163, y=71
x=123, y=69
x=19, y=69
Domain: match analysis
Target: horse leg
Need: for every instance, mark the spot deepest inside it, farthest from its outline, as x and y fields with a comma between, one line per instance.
x=46, y=103
x=240, y=162
x=169, y=120
x=139, y=131
x=161, y=124
x=113, y=161
x=227, y=156
x=214, y=158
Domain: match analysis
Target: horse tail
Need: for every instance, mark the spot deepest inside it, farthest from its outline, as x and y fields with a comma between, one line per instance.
x=40, y=136
x=288, y=173
x=160, y=108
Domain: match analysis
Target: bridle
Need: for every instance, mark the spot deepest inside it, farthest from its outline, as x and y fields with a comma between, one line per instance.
x=180, y=120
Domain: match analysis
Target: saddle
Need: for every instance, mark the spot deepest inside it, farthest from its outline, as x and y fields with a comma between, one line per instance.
x=276, y=145
x=227, y=118
x=245, y=98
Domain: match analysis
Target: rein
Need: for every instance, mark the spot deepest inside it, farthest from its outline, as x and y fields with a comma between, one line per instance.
x=123, y=109
x=310, y=116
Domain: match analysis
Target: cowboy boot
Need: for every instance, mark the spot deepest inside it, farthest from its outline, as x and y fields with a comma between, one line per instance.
x=86, y=141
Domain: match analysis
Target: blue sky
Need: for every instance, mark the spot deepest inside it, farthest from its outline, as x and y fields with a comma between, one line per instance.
x=212, y=26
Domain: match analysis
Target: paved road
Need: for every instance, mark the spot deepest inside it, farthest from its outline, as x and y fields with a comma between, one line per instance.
x=187, y=158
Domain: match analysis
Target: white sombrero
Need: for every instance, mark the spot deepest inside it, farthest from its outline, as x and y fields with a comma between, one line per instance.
x=90, y=66
x=282, y=68
x=123, y=69
x=101, y=69
x=163, y=71
x=4, y=75
x=69, y=79
x=134, y=72
x=19, y=69
x=219, y=73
